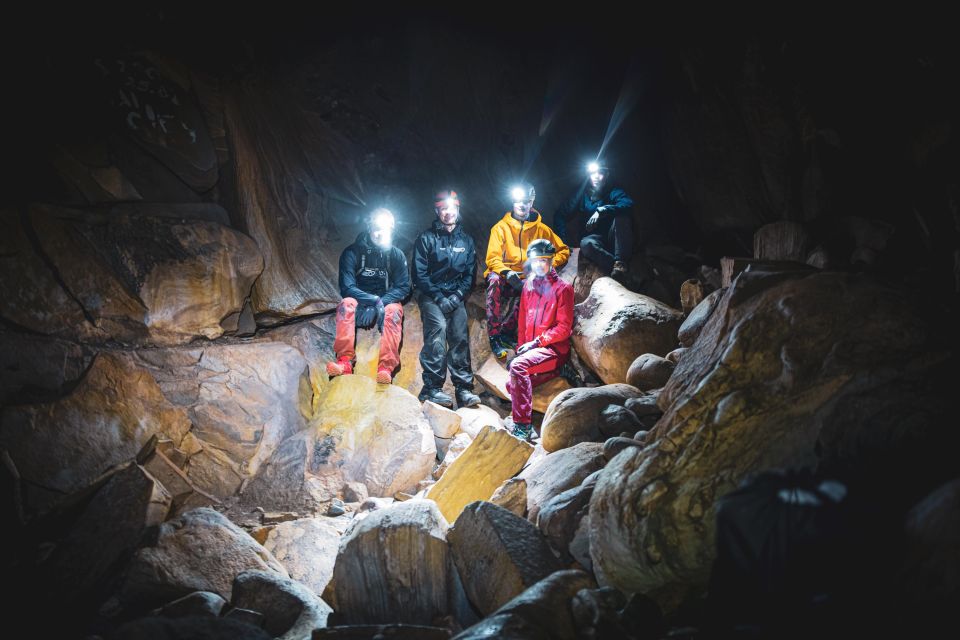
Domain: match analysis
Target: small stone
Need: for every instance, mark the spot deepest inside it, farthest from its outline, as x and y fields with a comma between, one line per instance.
x=336, y=508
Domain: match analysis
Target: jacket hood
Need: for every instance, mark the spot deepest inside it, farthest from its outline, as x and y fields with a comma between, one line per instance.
x=509, y=219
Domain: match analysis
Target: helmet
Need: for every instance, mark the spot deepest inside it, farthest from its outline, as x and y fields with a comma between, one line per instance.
x=523, y=192
x=541, y=248
x=380, y=219
x=598, y=166
x=444, y=198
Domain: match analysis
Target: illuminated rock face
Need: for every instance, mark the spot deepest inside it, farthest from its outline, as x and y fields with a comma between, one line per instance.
x=370, y=433
x=307, y=549
x=574, y=415
x=614, y=325
x=131, y=279
x=555, y=473
x=792, y=369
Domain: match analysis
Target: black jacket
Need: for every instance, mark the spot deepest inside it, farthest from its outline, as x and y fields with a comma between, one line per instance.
x=444, y=262
x=585, y=203
x=368, y=272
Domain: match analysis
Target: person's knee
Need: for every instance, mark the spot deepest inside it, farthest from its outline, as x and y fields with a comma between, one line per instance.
x=393, y=313
x=518, y=367
x=348, y=304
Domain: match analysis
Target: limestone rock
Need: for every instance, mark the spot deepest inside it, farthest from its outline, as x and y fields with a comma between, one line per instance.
x=290, y=610
x=615, y=420
x=34, y=368
x=83, y=565
x=493, y=457
x=613, y=446
x=542, y=611
x=613, y=326
x=157, y=628
x=649, y=372
x=498, y=554
x=355, y=492
x=558, y=472
x=199, y=551
x=793, y=374
x=391, y=631
x=473, y=419
x=693, y=324
x=691, y=294
x=374, y=434
x=66, y=444
x=675, y=355
x=572, y=416
x=394, y=566
x=307, y=549
x=494, y=376
x=512, y=496
x=781, y=240
x=444, y=422
x=198, y=603
x=454, y=450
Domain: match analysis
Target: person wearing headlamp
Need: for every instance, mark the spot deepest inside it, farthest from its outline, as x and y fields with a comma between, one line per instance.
x=506, y=255
x=598, y=218
x=374, y=280
x=444, y=265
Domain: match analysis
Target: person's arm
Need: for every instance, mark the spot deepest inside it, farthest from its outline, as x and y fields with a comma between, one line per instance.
x=348, y=280
x=421, y=268
x=563, y=327
x=619, y=202
x=399, y=278
x=465, y=281
x=495, y=251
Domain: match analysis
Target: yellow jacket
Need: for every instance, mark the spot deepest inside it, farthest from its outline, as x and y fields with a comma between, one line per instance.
x=509, y=239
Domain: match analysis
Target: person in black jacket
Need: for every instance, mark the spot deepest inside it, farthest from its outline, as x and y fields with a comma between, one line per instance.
x=374, y=280
x=444, y=265
x=599, y=220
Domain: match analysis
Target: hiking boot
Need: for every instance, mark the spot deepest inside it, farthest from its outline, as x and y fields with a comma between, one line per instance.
x=498, y=348
x=339, y=368
x=384, y=376
x=522, y=430
x=467, y=398
x=569, y=373
x=436, y=396
x=619, y=272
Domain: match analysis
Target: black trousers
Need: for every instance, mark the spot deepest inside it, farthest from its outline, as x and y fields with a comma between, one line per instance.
x=446, y=344
x=604, y=247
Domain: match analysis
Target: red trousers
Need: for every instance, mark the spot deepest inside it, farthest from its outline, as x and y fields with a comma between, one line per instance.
x=390, y=337
x=532, y=368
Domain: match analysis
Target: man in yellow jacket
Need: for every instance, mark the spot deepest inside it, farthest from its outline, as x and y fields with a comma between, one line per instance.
x=506, y=255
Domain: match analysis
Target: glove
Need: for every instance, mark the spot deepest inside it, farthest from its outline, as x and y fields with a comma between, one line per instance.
x=526, y=346
x=448, y=304
x=367, y=315
x=514, y=280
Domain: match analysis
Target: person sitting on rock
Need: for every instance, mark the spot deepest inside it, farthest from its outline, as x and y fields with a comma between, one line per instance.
x=598, y=218
x=444, y=265
x=543, y=332
x=374, y=280
x=506, y=252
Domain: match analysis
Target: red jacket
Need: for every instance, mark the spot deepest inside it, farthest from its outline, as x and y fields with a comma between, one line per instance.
x=546, y=312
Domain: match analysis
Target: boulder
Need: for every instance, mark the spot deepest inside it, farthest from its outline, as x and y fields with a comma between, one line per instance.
x=498, y=554
x=198, y=603
x=792, y=373
x=493, y=457
x=542, y=611
x=613, y=446
x=290, y=610
x=157, y=628
x=573, y=415
x=374, y=434
x=693, y=324
x=444, y=422
x=108, y=417
x=453, y=450
x=391, y=631
x=560, y=517
x=649, y=372
x=613, y=326
x=307, y=549
x=199, y=551
x=473, y=419
x=930, y=577
x=512, y=496
x=494, y=376
x=615, y=420
x=691, y=294
x=557, y=472
x=675, y=355
x=394, y=565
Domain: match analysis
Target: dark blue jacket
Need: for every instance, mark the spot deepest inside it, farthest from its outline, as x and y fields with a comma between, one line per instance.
x=368, y=272
x=444, y=262
x=585, y=203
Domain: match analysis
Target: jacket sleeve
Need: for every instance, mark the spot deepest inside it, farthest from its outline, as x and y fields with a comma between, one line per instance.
x=421, y=267
x=564, y=326
x=619, y=202
x=399, y=278
x=522, y=336
x=466, y=279
x=348, y=280
x=495, y=250
x=563, y=251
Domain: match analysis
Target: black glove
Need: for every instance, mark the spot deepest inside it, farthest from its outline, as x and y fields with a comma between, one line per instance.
x=526, y=346
x=514, y=280
x=448, y=304
x=368, y=315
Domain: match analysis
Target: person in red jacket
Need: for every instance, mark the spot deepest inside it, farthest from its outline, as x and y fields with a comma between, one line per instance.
x=544, y=324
